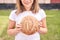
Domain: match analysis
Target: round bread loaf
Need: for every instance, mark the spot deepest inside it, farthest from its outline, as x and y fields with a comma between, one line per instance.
x=30, y=25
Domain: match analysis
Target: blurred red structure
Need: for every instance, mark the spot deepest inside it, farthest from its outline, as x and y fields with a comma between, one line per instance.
x=55, y=1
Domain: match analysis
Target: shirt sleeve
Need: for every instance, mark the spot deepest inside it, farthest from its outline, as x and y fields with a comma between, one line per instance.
x=42, y=14
x=12, y=15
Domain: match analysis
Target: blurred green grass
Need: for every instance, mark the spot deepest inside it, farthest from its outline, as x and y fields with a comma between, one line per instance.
x=53, y=25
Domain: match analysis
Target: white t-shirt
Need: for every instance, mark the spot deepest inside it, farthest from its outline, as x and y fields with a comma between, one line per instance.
x=21, y=36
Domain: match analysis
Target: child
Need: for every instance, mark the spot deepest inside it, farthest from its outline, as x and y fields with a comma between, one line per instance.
x=24, y=8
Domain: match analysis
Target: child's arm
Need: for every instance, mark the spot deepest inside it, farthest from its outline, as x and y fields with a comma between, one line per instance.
x=11, y=30
x=43, y=28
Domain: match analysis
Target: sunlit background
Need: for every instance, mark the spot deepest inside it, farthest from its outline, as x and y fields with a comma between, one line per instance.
x=52, y=9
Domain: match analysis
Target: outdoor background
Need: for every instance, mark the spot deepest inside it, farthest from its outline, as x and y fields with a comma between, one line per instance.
x=52, y=9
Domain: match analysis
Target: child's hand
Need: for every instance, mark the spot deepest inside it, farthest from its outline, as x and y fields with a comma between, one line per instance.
x=40, y=24
x=18, y=27
x=15, y=31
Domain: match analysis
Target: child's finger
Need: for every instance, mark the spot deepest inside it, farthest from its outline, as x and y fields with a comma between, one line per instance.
x=18, y=28
x=18, y=25
x=40, y=23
